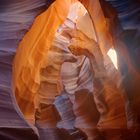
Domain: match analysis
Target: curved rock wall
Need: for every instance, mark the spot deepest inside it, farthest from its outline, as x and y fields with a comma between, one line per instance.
x=16, y=17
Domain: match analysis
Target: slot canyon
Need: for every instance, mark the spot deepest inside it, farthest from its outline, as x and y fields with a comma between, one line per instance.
x=69, y=69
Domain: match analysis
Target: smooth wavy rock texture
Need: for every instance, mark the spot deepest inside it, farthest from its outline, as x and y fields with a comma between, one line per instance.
x=86, y=108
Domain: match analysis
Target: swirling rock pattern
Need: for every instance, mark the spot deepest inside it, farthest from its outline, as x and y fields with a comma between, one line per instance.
x=16, y=18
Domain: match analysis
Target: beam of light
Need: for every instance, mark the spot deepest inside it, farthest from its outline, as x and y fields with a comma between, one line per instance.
x=113, y=56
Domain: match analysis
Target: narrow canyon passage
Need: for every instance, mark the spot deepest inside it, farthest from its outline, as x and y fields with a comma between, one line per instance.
x=69, y=70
